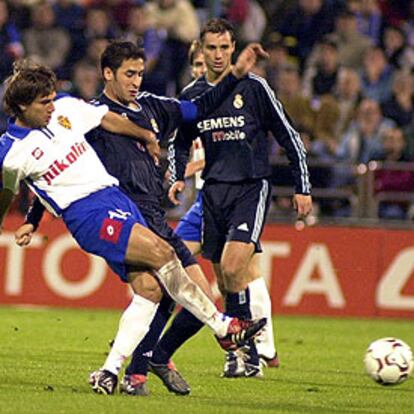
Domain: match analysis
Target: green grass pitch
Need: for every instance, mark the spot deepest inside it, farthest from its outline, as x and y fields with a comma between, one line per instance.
x=46, y=356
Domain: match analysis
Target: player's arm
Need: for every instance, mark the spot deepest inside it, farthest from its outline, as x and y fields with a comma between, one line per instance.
x=117, y=124
x=178, y=186
x=201, y=106
x=274, y=117
x=24, y=233
x=6, y=198
x=194, y=167
x=178, y=155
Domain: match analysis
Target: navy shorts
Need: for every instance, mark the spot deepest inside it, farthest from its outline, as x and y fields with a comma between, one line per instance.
x=157, y=222
x=101, y=223
x=189, y=227
x=233, y=212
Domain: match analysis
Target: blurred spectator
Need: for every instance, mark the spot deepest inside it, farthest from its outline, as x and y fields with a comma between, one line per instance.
x=45, y=43
x=248, y=18
x=86, y=81
x=394, y=12
x=279, y=58
x=362, y=140
x=307, y=23
x=393, y=179
x=11, y=47
x=376, y=75
x=359, y=144
x=179, y=21
x=119, y=10
x=369, y=19
x=352, y=45
x=348, y=95
x=396, y=49
x=400, y=106
x=176, y=17
x=297, y=106
x=320, y=76
x=94, y=50
x=408, y=25
x=139, y=31
x=19, y=11
x=98, y=24
x=70, y=16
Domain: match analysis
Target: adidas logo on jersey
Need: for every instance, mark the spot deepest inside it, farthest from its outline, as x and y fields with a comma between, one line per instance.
x=243, y=227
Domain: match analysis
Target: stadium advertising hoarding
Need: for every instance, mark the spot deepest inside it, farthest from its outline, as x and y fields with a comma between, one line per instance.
x=318, y=271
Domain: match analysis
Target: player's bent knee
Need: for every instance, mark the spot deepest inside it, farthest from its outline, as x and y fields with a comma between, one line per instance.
x=146, y=285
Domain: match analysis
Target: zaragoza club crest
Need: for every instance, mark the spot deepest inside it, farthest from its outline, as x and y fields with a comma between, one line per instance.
x=64, y=121
x=238, y=101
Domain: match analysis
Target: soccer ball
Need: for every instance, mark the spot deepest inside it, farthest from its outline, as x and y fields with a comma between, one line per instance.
x=389, y=361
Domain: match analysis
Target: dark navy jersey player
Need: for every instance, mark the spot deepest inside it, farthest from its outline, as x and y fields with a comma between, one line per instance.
x=236, y=192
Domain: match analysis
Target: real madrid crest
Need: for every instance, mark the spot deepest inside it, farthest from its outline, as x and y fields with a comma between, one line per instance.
x=154, y=125
x=64, y=121
x=238, y=101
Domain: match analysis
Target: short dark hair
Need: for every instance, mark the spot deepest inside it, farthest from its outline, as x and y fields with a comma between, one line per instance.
x=27, y=83
x=217, y=25
x=117, y=51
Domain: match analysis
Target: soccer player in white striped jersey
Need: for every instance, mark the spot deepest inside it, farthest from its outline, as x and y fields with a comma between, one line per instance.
x=45, y=147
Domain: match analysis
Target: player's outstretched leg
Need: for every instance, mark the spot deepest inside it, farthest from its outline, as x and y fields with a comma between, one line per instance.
x=134, y=384
x=136, y=374
x=260, y=306
x=231, y=333
x=171, y=378
x=103, y=382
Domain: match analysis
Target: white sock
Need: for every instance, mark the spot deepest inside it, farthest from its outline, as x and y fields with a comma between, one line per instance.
x=261, y=307
x=188, y=294
x=133, y=326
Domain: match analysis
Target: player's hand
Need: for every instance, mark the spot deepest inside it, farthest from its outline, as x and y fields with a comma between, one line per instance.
x=174, y=190
x=23, y=234
x=302, y=204
x=248, y=58
x=154, y=150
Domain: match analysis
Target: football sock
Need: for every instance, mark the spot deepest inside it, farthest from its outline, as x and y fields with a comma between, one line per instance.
x=133, y=326
x=261, y=307
x=144, y=351
x=184, y=326
x=238, y=304
x=188, y=294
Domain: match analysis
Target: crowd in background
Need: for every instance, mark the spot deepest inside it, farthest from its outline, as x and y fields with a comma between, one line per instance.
x=343, y=69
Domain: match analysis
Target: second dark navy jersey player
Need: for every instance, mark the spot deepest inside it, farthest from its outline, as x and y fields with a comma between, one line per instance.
x=235, y=136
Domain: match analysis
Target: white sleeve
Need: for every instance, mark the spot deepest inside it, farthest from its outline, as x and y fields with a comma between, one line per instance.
x=11, y=179
x=90, y=115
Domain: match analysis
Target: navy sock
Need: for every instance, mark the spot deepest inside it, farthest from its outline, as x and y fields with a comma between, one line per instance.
x=184, y=326
x=143, y=352
x=238, y=304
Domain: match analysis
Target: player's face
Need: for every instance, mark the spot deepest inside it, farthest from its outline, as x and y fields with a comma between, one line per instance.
x=124, y=84
x=39, y=112
x=218, y=49
x=198, y=67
